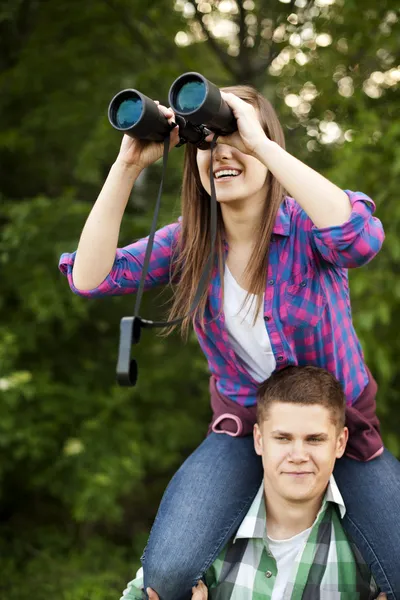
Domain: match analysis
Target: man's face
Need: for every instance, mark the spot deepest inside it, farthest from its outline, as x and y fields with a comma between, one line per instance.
x=298, y=445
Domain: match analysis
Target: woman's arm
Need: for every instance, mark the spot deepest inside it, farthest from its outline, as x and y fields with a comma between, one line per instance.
x=325, y=203
x=98, y=242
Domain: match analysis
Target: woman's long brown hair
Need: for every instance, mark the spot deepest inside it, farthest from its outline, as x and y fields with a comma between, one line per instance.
x=193, y=247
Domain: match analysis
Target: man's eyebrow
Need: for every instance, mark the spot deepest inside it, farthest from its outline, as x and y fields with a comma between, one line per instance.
x=320, y=435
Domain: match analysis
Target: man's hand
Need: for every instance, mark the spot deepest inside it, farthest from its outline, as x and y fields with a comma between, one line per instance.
x=199, y=592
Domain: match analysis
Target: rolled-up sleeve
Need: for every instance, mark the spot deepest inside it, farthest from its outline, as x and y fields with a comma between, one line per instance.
x=126, y=271
x=355, y=242
x=134, y=589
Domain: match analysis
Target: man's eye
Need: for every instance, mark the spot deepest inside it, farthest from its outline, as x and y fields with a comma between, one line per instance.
x=282, y=438
x=315, y=440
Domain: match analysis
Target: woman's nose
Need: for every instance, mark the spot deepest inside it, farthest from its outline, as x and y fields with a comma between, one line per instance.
x=223, y=151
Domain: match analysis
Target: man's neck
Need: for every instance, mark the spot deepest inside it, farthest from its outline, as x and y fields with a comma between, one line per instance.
x=285, y=518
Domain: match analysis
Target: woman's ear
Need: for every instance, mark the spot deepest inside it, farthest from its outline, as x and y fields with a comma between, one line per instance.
x=258, y=445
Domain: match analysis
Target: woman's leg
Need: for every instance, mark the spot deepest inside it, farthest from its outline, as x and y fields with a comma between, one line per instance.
x=202, y=507
x=371, y=492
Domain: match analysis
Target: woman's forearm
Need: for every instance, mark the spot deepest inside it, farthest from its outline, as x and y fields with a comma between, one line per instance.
x=99, y=239
x=325, y=203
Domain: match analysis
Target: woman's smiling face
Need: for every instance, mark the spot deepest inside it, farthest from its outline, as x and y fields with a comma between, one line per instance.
x=237, y=176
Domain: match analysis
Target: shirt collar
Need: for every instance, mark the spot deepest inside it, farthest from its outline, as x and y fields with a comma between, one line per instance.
x=254, y=523
x=282, y=221
x=333, y=495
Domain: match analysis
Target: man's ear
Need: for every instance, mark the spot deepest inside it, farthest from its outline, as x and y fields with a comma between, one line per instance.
x=341, y=442
x=258, y=442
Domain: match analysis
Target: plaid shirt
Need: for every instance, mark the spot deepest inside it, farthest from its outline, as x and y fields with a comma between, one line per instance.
x=327, y=567
x=307, y=305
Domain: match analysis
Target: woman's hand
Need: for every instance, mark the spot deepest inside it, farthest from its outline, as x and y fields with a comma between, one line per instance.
x=250, y=135
x=142, y=153
x=199, y=592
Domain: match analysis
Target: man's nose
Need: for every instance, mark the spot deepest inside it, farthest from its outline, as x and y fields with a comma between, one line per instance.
x=298, y=452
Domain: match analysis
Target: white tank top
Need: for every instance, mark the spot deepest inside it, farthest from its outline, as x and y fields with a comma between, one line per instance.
x=250, y=342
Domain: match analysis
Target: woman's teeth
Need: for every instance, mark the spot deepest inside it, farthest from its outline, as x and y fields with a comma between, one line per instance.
x=227, y=173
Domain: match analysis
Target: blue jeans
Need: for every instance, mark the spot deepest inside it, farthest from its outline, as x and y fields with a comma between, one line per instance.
x=210, y=494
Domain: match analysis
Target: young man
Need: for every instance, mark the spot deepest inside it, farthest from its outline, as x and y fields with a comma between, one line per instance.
x=291, y=544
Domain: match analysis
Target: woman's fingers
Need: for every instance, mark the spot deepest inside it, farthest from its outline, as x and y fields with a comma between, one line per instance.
x=174, y=137
x=167, y=112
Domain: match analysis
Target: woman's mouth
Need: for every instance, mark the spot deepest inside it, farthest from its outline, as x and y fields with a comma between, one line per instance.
x=225, y=175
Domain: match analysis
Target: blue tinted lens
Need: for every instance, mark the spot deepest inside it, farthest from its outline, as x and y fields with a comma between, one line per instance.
x=190, y=96
x=129, y=112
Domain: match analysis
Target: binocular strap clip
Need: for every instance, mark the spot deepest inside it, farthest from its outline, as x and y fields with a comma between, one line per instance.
x=131, y=327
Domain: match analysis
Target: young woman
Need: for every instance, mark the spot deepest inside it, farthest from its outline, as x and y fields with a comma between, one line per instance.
x=278, y=295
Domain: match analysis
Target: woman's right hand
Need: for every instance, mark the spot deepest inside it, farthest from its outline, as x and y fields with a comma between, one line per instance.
x=142, y=153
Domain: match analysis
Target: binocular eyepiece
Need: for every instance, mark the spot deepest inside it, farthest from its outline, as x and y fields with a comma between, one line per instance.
x=197, y=103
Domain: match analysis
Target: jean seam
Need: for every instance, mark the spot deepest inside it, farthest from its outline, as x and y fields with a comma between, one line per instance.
x=238, y=519
x=373, y=553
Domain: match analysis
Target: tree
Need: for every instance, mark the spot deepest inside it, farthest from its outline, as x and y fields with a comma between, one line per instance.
x=81, y=456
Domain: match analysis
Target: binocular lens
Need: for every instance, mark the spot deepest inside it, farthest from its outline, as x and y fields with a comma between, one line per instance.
x=128, y=112
x=190, y=96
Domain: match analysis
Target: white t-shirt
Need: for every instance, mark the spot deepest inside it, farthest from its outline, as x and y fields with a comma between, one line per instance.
x=250, y=342
x=285, y=552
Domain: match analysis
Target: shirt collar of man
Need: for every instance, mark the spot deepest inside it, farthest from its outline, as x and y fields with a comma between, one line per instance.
x=254, y=523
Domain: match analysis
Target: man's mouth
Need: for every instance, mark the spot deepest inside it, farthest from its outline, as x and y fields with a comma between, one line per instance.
x=298, y=473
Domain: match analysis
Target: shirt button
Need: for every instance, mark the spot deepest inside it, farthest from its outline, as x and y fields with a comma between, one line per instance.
x=280, y=358
x=267, y=318
x=303, y=284
x=271, y=281
x=268, y=574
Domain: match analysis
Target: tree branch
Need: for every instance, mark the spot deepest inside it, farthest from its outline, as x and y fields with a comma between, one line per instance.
x=245, y=64
x=152, y=52
x=223, y=57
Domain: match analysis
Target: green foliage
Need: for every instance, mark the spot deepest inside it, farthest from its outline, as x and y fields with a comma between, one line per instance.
x=63, y=567
x=83, y=462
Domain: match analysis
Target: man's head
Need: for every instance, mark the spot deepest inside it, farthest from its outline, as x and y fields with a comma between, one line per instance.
x=300, y=431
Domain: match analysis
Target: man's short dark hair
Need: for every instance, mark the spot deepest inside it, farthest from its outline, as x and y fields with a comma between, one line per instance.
x=305, y=386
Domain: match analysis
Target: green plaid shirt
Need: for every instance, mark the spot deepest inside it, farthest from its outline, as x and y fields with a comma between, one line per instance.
x=327, y=567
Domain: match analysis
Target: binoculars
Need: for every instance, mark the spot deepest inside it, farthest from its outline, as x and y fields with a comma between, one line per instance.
x=197, y=103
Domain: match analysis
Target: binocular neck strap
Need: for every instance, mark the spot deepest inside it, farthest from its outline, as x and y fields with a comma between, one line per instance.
x=130, y=328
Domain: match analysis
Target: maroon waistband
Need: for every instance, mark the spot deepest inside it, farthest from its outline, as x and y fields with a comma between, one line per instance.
x=365, y=442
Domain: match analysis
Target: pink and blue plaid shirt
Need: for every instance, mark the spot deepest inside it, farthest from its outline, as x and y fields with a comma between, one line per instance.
x=307, y=305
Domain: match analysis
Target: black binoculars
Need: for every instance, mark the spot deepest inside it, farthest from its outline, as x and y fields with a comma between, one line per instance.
x=198, y=106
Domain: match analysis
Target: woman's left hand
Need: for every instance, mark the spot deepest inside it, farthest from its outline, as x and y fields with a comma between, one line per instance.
x=250, y=135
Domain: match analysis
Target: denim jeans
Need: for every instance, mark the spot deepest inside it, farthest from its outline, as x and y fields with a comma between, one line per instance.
x=210, y=494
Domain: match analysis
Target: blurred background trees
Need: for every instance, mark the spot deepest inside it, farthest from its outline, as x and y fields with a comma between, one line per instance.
x=83, y=462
